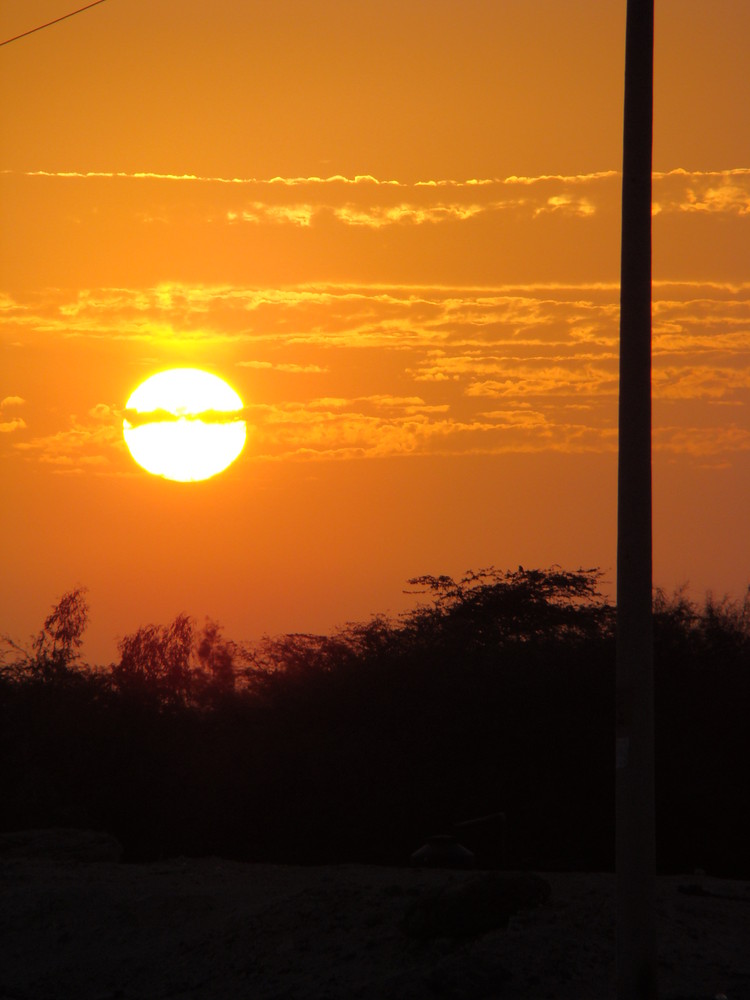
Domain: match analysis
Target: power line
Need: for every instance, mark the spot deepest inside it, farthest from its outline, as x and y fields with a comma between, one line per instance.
x=49, y=23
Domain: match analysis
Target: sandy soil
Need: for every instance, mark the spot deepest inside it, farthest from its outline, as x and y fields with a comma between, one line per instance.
x=216, y=930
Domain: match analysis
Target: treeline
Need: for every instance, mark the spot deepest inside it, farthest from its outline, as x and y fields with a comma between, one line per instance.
x=495, y=695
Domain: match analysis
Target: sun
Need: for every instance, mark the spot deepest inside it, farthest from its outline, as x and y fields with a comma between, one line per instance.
x=184, y=424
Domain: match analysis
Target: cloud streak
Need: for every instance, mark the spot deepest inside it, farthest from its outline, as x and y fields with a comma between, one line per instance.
x=85, y=444
x=371, y=202
x=335, y=371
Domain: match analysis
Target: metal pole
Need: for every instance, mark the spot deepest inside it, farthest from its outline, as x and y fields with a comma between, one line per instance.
x=635, y=838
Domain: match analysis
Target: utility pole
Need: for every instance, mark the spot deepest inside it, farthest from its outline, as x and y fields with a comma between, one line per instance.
x=635, y=825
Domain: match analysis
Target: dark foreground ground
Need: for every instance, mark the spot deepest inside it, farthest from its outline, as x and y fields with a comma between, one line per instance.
x=219, y=930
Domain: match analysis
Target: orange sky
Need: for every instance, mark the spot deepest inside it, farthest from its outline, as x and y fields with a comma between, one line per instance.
x=393, y=227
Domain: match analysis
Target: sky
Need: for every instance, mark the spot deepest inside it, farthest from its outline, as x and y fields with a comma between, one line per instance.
x=393, y=227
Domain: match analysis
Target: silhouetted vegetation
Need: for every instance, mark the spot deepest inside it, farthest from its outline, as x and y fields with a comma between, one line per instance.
x=496, y=694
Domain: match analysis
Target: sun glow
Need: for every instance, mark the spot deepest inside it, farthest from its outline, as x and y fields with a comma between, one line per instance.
x=184, y=424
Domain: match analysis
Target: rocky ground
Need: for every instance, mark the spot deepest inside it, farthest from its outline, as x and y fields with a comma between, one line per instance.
x=73, y=927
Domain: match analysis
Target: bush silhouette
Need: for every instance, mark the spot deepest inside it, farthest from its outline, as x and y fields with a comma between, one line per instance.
x=496, y=693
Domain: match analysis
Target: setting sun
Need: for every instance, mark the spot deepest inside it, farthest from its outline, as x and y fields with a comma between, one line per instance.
x=184, y=424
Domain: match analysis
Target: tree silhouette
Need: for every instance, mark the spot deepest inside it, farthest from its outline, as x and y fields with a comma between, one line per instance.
x=55, y=651
x=494, y=694
x=177, y=664
x=155, y=662
x=215, y=662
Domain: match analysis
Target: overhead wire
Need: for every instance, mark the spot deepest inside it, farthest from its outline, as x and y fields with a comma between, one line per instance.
x=50, y=23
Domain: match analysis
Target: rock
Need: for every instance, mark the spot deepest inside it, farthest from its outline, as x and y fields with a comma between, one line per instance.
x=475, y=907
x=60, y=844
x=442, y=851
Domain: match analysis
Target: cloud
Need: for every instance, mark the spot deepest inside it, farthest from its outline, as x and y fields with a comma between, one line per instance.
x=585, y=178
x=375, y=217
x=568, y=204
x=365, y=200
x=406, y=369
x=526, y=419
x=724, y=198
x=699, y=382
x=105, y=412
x=549, y=380
x=333, y=179
x=378, y=205
x=84, y=444
x=288, y=367
x=148, y=175
x=8, y=304
x=699, y=442
x=361, y=201
x=341, y=179
x=9, y=426
x=15, y=423
x=341, y=429
x=725, y=192
x=137, y=418
x=258, y=212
